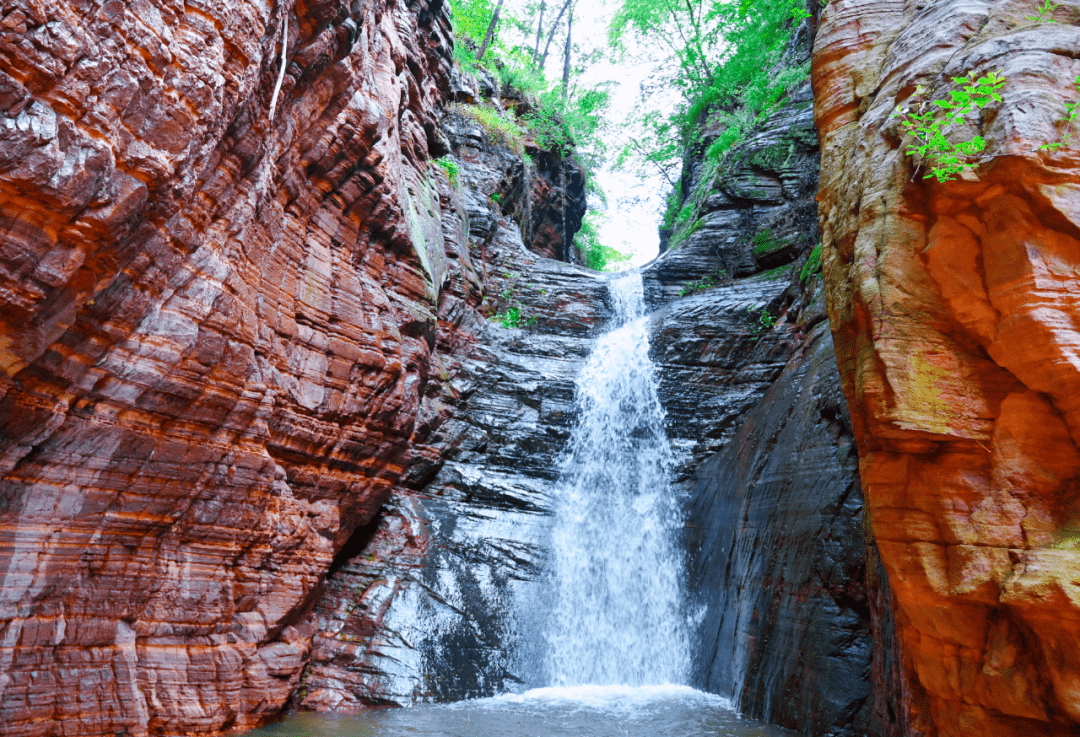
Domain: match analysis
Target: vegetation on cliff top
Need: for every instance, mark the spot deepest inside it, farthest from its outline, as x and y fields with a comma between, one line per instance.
x=727, y=60
x=513, y=46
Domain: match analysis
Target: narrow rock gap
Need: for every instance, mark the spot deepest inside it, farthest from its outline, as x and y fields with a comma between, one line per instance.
x=357, y=542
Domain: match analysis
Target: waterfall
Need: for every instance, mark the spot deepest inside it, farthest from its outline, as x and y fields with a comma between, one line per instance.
x=615, y=568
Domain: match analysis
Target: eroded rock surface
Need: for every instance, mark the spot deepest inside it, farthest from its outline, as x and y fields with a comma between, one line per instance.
x=775, y=533
x=954, y=311
x=217, y=330
x=437, y=601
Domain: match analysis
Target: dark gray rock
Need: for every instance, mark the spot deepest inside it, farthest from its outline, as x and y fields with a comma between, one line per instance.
x=716, y=359
x=774, y=537
x=757, y=211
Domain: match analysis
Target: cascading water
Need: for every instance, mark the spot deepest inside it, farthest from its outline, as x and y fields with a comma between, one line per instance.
x=615, y=570
x=617, y=637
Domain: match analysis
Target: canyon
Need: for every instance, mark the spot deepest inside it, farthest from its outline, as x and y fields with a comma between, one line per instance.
x=263, y=449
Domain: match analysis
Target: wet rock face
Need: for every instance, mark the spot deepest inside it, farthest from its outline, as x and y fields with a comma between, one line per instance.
x=774, y=533
x=774, y=537
x=543, y=193
x=558, y=182
x=953, y=307
x=756, y=211
x=218, y=334
x=433, y=603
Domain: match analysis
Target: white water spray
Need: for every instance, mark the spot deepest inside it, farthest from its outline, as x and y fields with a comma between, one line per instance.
x=616, y=570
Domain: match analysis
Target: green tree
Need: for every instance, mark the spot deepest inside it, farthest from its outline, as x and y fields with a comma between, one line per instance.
x=726, y=57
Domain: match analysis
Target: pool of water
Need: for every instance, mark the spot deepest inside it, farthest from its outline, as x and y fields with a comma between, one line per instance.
x=579, y=711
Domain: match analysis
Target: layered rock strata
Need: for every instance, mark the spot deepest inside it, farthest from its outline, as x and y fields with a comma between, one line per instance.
x=953, y=308
x=431, y=604
x=234, y=295
x=775, y=533
x=234, y=299
x=774, y=509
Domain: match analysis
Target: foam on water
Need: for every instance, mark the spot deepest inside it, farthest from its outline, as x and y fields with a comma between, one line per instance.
x=623, y=699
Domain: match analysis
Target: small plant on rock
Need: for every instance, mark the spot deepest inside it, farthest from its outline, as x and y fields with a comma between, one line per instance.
x=760, y=321
x=500, y=125
x=509, y=311
x=451, y=168
x=715, y=279
x=930, y=122
x=1045, y=13
x=1072, y=113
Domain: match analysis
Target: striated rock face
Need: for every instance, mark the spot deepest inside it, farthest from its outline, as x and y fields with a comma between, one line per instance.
x=954, y=312
x=559, y=182
x=431, y=602
x=217, y=331
x=774, y=508
x=775, y=538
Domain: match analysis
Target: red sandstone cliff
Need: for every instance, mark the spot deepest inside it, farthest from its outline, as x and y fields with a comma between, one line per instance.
x=954, y=308
x=215, y=334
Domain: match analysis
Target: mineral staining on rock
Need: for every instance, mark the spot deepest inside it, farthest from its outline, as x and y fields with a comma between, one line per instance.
x=953, y=309
x=217, y=334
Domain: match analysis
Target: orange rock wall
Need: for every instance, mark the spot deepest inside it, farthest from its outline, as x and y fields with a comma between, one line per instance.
x=956, y=313
x=216, y=335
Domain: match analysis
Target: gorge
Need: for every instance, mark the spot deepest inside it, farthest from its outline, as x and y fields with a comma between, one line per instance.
x=263, y=450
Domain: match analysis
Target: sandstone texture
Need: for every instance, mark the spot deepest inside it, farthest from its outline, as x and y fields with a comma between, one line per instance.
x=234, y=301
x=218, y=330
x=427, y=604
x=954, y=309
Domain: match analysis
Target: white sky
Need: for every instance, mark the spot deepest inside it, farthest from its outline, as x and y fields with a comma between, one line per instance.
x=630, y=227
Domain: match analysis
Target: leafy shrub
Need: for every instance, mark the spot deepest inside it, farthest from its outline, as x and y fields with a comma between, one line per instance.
x=729, y=63
x=597, y=255
x=512, y=318
x=812, y=265
x=453, y=171
x=929, y=123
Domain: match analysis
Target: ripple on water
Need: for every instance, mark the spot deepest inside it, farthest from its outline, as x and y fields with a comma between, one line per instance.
x=578, y=711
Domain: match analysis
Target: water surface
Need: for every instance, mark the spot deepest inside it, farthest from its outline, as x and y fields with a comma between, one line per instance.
x=580, y=711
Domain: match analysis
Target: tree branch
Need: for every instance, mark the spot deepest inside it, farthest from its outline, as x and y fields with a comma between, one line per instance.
x=551, y=34
x=490, y=32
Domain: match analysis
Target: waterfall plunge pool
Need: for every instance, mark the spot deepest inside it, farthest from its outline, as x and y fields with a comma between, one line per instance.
x=613, y=614
x=576, y=711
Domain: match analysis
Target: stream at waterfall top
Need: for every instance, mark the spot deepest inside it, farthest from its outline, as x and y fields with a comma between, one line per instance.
x=607, y=628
